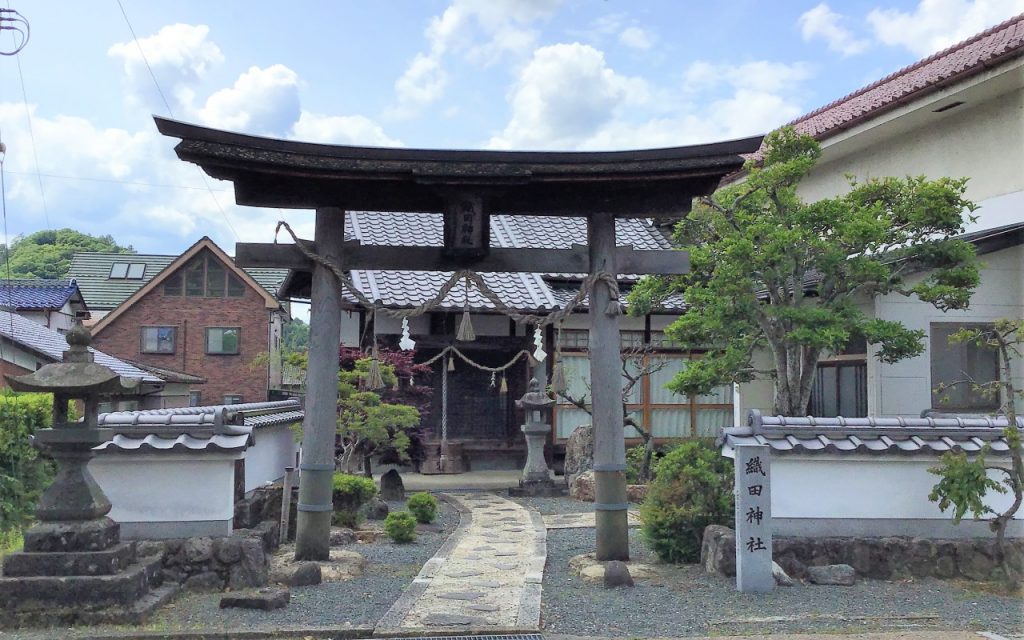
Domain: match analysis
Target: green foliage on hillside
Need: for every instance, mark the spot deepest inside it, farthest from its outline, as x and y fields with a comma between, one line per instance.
x=47, y=254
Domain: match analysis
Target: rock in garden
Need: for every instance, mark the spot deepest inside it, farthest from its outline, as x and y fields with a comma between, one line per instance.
x=265, y=599
x=782, y=579
x=147, y=548
x=582, y=487
x=392, y=489
x=341, y=536
x=835, y=574
x=198, y=550
x=636, y=492
x=375, y=509
x=252, y=569
x=616, y=574
x=205, y=581
x=301, y=574
x=228, y=550
x=579, y=452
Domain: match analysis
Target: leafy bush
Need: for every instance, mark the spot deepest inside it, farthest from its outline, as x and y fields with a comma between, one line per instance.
x=23, y=474
x=423, y=506
x=693, y=488
x=350, y=493
x=400, y=526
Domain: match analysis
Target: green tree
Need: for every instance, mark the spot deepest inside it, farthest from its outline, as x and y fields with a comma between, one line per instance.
x=769, y=271
x=366, y=424
x=47, y=254
x=964, y=482
x=295, y=336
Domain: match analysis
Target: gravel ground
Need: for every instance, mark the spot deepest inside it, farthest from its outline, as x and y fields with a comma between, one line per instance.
x=550, y=506
x=359, y=602
x=685, y=601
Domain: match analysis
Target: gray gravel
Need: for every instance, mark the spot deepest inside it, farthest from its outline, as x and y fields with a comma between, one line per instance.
x=685, y=601
x=550, y=506
x=358, y=603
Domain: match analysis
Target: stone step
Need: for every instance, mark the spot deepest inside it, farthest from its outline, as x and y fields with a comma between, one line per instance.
x=83, y=592
x=74, y=563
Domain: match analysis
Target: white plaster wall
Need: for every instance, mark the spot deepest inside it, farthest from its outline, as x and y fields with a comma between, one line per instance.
x=904, y=388
x=15, y=355
x=982, y=140
x=168, y=488
x=860, y=487
x=274, y=449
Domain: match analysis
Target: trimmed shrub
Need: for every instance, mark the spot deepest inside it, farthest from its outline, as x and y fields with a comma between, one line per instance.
x=693, y=488
x=423, y=506
x=23, y=473
x=400, y=526
x=350, y=493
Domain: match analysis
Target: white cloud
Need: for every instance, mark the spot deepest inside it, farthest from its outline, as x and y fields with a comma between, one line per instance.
x=568, y=97
x=636, y=38
x=357, y=130
x=565, y=94
x=422, y=83
x=261, y=101
x=936, y=24
x=822, y=22
x=482, y=31
x=179, y=54
x=760, y=75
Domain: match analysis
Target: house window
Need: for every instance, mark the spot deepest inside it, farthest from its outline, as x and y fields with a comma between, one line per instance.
x=127, y=270
x=233, y=399
x=840, y=389
x=222, y=340
x=958, y=369
x=195, y=398
x=664, y=413
x=158, y=339
x=204, y=276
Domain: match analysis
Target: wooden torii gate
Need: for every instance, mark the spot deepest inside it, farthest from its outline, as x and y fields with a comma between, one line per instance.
x=465, y=186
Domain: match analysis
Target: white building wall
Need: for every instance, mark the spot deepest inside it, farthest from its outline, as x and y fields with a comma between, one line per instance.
x=172, y=495
x=866, y=495
x=274, y=449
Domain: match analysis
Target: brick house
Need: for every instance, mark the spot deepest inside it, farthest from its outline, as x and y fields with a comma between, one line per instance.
x=197, y=312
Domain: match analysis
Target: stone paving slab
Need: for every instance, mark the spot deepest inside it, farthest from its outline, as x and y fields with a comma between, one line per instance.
x=469, y=582
x=584, y=520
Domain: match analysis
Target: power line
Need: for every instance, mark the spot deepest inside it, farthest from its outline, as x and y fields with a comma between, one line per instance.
x=170, y=112
x=28, y=112
x=136, y=183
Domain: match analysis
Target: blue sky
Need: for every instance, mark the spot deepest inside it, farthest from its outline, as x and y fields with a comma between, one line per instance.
x=505, y=74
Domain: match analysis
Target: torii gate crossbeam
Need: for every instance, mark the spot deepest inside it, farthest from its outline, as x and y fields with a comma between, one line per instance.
x=465, y=186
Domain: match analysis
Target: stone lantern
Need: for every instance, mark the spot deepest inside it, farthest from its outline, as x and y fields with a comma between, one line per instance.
x=74, y=567
x=536, y=480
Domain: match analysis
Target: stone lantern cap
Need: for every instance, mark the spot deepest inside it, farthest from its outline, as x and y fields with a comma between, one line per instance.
x=534, y=399
x=78, y=375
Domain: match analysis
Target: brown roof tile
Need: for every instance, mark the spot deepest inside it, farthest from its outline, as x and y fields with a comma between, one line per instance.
x=963, y=60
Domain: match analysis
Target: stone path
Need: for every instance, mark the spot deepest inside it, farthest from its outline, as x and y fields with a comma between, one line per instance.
x=583, y=520
x=487, y=575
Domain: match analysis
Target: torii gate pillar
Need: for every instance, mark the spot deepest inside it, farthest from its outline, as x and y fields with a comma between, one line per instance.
x=313, y=528
x=605, y=365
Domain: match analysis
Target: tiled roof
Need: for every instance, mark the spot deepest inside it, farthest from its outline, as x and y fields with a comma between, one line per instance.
x=52, y=344
x=963, y=60
x=92, y=272
x=168, y=375
x=524, y=291
x=210, y=428
x=249, y=414
x=35, y=293
x=151, y=443
x=906, y=436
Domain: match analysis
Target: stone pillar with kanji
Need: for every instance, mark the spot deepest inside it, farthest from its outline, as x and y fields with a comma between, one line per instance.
x=753, y=519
